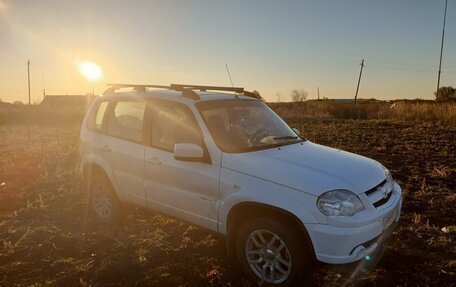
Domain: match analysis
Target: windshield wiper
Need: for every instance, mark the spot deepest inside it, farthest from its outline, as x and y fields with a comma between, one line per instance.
x=285, y=138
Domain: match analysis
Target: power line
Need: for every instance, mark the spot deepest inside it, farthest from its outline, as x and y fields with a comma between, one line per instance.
x=394, y=68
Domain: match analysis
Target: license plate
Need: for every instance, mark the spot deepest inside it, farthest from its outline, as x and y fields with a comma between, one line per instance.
x=389, y=219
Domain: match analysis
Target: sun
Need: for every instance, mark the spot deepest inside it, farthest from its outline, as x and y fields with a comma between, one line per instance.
x=90, y=70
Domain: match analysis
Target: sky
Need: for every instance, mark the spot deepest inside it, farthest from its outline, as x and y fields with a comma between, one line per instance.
x=269, y=46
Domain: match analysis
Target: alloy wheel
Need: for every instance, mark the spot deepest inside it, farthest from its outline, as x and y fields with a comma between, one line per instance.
x=268, y=256
x=101, y=201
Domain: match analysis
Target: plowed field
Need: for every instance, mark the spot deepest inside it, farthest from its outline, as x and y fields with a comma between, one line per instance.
x=46, y=239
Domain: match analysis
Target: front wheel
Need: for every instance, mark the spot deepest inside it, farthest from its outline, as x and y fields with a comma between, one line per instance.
x=273, y=253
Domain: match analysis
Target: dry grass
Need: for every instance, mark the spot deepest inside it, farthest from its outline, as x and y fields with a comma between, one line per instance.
x=37, y=114
x=413, y=111
x=429, y=112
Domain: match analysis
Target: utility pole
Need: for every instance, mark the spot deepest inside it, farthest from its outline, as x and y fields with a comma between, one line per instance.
x=359, y=79
x=441, y=50
x=28, y=78
x=229, y=75
x=318, y=92
x=44, y=86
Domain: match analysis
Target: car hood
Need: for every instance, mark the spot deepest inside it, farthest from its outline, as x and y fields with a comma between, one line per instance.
x=309, y=167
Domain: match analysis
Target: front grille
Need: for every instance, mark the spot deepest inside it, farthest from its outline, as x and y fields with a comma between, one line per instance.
x=379, y=194
x=372, y=190
x=383, y=200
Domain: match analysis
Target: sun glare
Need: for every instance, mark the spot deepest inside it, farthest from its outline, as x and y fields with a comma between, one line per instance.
x=90, y=71
x=3, y=6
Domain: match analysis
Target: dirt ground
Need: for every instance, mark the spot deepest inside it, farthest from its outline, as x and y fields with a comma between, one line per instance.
x=46, y=239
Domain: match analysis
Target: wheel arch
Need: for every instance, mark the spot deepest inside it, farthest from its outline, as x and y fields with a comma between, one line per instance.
x=89, y=169
x=244, y=210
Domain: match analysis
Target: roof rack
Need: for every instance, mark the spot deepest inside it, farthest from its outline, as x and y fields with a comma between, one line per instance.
x=138, y=88
x=187, y=90
x=237, y=90
x=206, y=88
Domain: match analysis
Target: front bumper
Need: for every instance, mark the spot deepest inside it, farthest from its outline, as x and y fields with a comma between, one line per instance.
x=340, y=245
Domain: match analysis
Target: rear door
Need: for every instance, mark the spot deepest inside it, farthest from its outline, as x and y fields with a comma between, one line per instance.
x=188, y=190
x=126, y=148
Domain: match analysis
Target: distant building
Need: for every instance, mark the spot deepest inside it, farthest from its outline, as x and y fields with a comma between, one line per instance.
x=67, y=101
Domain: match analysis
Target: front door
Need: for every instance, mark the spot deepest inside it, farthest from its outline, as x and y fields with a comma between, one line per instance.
x=187, y=190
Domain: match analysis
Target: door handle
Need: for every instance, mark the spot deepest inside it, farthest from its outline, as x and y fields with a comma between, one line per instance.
x=153, y=160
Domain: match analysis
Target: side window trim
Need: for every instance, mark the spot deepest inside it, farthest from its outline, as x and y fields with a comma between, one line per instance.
x=147, y=125
x=106, y=117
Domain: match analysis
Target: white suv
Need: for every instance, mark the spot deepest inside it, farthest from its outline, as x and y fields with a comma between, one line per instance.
x=228, y=163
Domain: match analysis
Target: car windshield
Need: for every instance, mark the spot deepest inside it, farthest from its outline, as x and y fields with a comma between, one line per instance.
x=245, y=125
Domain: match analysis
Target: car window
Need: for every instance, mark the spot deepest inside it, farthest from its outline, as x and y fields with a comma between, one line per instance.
x=95, y=121
x=245, y=125
x=173, y=123
x=127, y=120
x=100, y=115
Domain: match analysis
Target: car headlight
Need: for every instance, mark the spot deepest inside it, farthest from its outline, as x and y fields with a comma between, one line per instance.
x=389, y=179
x=339, y=202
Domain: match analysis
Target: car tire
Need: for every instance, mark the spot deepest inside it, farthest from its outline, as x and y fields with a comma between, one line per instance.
x=103, y=203
x=267, y=246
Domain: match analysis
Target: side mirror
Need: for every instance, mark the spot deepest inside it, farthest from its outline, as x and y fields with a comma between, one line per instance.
x=297, y=132
x=188, y=152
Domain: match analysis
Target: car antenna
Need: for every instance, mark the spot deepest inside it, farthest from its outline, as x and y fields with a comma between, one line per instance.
x=229, y=75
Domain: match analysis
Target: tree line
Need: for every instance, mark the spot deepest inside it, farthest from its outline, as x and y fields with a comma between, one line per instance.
x=445, y=94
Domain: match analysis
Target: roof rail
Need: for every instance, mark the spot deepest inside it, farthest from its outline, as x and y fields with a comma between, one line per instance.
x=206, y=88
x=138, y=88
x=187, y=90
x=188, y=93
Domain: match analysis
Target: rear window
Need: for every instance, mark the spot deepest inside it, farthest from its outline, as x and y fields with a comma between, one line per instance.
x=95, y=122
x=100, y=115
x=127, y=120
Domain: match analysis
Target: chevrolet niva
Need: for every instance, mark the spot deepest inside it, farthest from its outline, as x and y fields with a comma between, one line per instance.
x=220, y=158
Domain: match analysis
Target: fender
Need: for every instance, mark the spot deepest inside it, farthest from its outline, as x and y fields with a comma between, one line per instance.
x=233, y=192
x=92, y=159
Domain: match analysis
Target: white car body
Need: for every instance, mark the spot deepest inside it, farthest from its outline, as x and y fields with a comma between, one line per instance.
x=296, y=175
x=289, y=178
